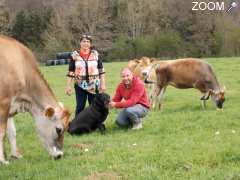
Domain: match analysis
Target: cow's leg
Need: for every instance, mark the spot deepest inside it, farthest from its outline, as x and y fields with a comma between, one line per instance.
x=203, y=103
x=160, y=98
x=203, y=88
x=3, y=127
x=11, y=132
x=150, y=90
x=157, y=97
x=155, y=93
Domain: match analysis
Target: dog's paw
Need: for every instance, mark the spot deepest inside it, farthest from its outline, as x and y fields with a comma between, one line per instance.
x=102, y=128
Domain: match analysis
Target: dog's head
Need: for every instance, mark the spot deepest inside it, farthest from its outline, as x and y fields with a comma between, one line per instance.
x=101, y=100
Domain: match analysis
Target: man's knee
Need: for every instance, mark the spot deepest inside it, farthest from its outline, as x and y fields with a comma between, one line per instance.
x=131, y=114
x=121, y=122
x=129, y=111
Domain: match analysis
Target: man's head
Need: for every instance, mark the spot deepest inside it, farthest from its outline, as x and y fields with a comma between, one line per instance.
x=126, y=76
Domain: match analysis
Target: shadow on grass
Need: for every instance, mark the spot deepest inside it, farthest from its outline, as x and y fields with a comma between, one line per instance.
x=187, y=108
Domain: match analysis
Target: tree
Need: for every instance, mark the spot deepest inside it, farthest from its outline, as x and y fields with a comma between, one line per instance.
x=133, y=17
x=4, y=18
x=29, y=26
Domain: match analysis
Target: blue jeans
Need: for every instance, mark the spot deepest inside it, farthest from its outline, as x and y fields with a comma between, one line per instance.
x=131, y=115
x=81, y=98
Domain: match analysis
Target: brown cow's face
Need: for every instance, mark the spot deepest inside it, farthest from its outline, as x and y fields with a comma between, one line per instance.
x=51, y=126
x=145, y=66
x=218, y=98
x=141, y=67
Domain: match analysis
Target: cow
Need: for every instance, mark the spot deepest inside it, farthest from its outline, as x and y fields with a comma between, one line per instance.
x=23, y=89
x=183, y=74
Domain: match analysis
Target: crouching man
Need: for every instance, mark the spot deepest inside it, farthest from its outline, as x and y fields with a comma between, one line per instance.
x=131, y=96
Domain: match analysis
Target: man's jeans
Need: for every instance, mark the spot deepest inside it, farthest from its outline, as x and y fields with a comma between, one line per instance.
x=131, y=115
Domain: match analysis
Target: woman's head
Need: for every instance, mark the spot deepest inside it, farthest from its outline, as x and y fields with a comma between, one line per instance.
x=85, y=42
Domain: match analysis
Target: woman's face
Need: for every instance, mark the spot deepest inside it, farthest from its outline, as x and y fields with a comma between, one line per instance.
x=85, y=44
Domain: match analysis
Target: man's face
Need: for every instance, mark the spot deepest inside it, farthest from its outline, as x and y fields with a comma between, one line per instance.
x=127, y=77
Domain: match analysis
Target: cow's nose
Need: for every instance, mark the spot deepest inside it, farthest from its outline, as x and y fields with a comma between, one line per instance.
x=220, y=105
x=59, y=130
x=144, y=73
x=58, y=157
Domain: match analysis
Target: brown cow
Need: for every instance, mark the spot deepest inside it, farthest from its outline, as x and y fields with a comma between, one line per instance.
x=23, y=89
x=183, y=74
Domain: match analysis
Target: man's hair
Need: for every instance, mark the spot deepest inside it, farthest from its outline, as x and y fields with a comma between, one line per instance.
x=125, y=69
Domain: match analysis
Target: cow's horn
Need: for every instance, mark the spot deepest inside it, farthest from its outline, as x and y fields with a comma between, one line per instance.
x=224, y=88
x=61, y=104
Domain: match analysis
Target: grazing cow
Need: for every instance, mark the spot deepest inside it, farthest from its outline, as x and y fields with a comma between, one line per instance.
x=140, y=67
x=23, y=89
x=183, y=74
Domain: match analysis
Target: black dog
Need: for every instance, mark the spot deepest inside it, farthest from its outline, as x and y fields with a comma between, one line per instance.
x=92, y=117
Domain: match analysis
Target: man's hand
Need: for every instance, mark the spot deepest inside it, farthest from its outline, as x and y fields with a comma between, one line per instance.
x=112, y=104
x=68, y=90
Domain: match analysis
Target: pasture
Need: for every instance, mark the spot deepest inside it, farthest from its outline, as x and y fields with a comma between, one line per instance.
x=181, y=142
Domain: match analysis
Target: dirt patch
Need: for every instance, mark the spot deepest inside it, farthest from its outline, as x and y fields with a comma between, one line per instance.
x=81, y=146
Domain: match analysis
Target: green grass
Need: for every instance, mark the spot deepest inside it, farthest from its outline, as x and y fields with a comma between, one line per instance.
x=178, y=143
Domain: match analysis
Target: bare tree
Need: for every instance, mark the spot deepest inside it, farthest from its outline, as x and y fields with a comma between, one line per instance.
x=134, y=16
x=4, y=17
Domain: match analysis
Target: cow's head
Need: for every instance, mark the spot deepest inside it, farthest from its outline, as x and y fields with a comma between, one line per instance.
x=218, y=98
x=132, y=64
x=145, y=66
x=51, y=126
x=141, y=67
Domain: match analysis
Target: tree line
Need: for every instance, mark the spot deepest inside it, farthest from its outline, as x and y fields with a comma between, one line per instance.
x=123, y=29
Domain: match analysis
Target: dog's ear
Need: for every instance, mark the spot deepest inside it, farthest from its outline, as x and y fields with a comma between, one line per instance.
x=97, y=101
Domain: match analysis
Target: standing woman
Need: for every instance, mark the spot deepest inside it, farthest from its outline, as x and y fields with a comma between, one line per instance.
x=87, y=72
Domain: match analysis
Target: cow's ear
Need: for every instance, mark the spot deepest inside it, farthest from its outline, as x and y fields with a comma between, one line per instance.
x=65, y=117
x=223, y=89
x=49, y=112
x=61, y=104
x=137, y=60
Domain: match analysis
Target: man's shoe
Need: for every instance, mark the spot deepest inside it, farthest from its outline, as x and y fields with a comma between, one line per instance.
x=137, y=126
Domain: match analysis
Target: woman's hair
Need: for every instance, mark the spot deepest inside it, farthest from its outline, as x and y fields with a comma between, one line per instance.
x=85, y=36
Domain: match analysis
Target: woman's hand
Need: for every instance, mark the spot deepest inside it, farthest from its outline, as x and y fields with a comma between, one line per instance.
x=68, y=90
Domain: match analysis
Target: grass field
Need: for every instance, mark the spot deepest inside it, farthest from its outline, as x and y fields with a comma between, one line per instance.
x=182, y=142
